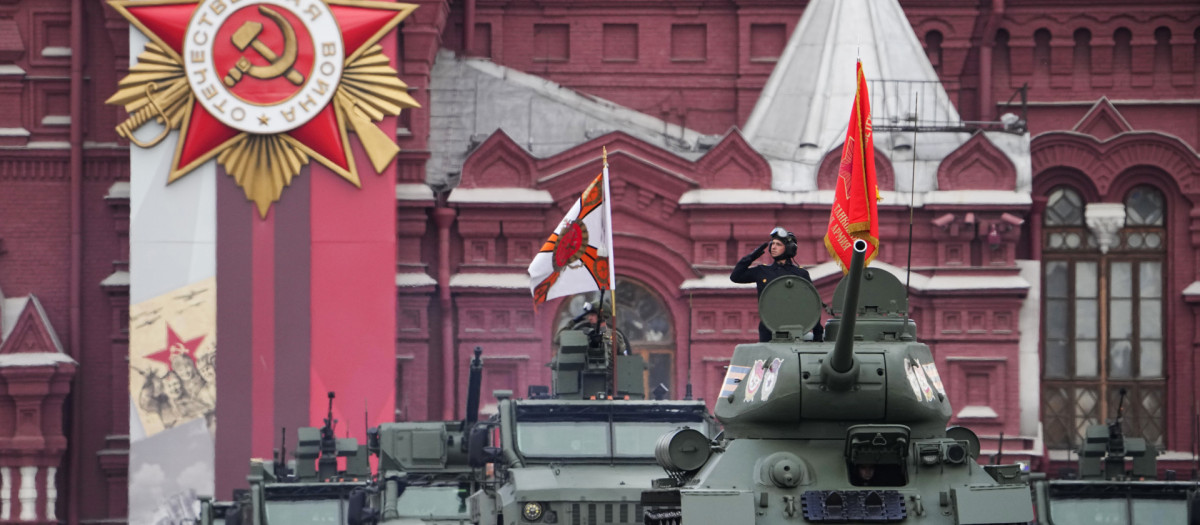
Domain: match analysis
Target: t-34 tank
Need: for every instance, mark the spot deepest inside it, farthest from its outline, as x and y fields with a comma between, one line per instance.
x=849, y=431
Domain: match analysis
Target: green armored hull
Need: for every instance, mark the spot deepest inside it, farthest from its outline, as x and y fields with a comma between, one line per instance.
x=577, y=461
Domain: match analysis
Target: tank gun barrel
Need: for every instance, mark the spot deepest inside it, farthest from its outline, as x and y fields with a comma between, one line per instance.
x=841, y=358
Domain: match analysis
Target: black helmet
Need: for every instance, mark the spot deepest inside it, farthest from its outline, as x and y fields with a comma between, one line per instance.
x=789, y=242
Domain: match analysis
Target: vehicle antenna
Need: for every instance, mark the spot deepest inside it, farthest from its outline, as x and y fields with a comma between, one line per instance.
x=281, y=461
x=999, y=450
x=912, y=197
x=366, y=420
x=687, y=394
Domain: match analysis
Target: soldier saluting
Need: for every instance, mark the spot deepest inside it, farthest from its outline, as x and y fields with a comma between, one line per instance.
x=782, y=249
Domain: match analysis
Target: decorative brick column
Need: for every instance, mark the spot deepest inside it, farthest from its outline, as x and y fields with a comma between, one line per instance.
x=35, y=377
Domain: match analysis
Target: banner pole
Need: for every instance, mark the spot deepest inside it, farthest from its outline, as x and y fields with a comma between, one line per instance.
x=612, y=284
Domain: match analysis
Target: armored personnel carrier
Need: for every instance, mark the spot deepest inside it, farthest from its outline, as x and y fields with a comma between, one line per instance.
x=583, y=455
x=847, y=431
x=422, y=477
x=1117, y=482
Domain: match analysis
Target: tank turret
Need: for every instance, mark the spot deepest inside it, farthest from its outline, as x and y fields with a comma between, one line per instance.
x=873, y=372
x=852, y=429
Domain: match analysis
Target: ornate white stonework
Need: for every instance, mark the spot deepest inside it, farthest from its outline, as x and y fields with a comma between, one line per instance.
x=51, y=493
x=27, y=494
x=5, y=490
x=1105, y=219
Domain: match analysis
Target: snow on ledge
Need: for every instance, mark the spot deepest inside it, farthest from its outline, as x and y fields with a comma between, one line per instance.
x=490, y=280
x=1192, y=290
x=735, y=196
x=713, y=282
x=118, y=278
x=977, y=412
x=501, y=195
x=119, y=190
x=413, y=280
x=413, y=192
x=921, y=282
x=993, y=197
x=34, y=359
x=886, y=198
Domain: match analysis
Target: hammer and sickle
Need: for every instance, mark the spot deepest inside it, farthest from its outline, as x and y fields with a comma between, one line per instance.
x=247, y=36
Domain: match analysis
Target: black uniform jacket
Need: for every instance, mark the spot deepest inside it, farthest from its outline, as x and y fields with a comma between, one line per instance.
x=762, y=274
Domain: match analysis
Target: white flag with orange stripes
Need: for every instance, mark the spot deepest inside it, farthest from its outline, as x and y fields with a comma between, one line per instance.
x=577, y=258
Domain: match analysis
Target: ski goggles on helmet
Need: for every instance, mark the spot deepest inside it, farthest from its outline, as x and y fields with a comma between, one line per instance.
x=779, y=233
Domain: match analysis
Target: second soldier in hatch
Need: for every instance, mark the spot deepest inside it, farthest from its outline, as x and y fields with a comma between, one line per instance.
x=595, y=315
x=782, y=249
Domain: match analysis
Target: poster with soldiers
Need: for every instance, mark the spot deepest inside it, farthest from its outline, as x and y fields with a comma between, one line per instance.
x=172, y=358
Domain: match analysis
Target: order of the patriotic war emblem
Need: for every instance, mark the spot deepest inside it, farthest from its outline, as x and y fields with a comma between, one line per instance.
x=263, y=86
x=264, y=68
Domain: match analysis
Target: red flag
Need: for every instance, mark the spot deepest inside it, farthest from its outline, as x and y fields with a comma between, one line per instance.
x=854, y=214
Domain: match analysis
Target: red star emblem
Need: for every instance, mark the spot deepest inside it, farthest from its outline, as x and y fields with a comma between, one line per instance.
x=176, y=346
x=257, y=101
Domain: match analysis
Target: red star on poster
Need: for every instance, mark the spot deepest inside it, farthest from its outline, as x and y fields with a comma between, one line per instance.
x=176, y=346
x=264, y=85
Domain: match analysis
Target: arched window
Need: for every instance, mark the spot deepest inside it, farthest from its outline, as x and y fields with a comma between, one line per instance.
x=1041, y=56
x=1102, y=321
x=1070, y=399
x=1162, y=51
x=1082, y=58
x=1135, y=312
x=1122, y=57
x=1001, y=60
x=646, y=321
x=933, y=48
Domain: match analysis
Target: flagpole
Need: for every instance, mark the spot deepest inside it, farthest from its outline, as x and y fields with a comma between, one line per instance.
x=612, y=278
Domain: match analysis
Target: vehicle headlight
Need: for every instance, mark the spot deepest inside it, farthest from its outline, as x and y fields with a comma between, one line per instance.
x=532, y=511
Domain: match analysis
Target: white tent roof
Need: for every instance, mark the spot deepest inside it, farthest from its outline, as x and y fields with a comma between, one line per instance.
x=805, y=106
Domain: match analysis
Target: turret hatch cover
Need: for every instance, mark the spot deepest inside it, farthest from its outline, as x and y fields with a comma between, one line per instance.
x=790, y=303
x=881, y=294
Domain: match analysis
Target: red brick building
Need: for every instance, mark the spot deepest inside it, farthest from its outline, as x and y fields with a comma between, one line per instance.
x=1040, y=306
